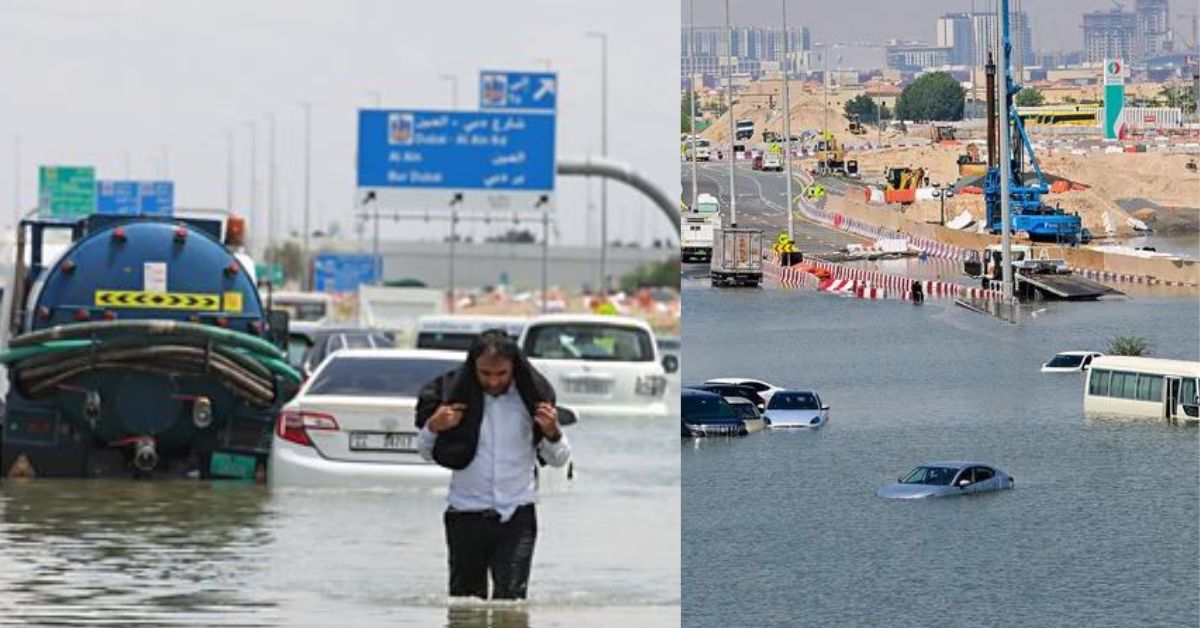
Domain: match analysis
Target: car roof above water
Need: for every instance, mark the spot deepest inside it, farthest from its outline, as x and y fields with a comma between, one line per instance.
x=956, y=464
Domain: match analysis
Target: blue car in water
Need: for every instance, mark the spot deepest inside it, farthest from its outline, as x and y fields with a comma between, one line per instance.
x=708, y=414
x=947, y=479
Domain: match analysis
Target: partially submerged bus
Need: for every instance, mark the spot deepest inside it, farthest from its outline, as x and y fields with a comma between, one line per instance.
x=1147, y=388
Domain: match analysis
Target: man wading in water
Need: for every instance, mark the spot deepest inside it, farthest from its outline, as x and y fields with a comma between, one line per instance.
x=491, y=421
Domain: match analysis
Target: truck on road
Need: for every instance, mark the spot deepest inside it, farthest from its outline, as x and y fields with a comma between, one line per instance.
x=737, y=257
x=696, y=229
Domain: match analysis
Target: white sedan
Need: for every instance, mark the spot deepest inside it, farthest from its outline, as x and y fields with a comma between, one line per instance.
x=353, y=423
x=796, y=408
x=1070, y=362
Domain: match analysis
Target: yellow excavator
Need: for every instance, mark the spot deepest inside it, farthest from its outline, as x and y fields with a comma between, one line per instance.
x=970, y=164
x=902, y=184
x=831, y=158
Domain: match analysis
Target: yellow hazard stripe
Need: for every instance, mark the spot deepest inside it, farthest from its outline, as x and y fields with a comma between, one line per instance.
x=158, y=300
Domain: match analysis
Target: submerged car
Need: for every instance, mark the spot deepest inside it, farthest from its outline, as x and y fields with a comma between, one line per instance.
x=747, y=412
x=764, y=389
x=796, y=408
x=947, y=479
x=1071, y=362
x=729, y=390
x=708, y=414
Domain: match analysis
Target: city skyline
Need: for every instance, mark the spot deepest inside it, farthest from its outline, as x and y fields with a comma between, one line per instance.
x=1056, y=27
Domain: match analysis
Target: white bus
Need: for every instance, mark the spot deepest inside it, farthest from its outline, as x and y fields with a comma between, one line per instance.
x=703, y=149
x=1150, y=388
x=456, y=333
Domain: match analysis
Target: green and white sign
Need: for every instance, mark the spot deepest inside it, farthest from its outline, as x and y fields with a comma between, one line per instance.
x=67, y=191
x=1114, y=98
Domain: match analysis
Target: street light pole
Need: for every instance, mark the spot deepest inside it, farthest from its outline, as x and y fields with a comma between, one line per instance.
x=253, y=179
x=453, y=90
x=228, y=172
x=825, y=107
x=787, y=125
x=271, y=181
x=307, y=194
x=692, y=94
x=603, y=37
x=732, y=136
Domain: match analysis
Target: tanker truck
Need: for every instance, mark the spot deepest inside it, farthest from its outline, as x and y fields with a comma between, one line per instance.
x=139, y=348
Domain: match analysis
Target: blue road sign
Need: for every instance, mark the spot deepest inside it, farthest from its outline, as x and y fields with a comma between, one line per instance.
x=529, y=91
x=134, y=198
x=344, y=272
x=455, y=151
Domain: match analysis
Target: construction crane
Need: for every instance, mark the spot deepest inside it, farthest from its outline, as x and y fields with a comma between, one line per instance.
x=1030, y=215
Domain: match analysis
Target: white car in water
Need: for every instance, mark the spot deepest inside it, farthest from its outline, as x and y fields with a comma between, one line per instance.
x=796, y=408
x=764, y=389
x=599, y=365
x=353, y=423
x=1071, y=361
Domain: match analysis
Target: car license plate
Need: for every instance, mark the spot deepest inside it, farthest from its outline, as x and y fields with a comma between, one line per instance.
x=383, y=441
x=588, y=386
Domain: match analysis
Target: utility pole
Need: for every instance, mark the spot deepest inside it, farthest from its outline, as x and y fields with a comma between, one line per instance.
x=17, y=180
x=729, y=92
x=228, y=171
x=545, y=258
x=453, y=90
x=271, y=180
x=603, y=37
x=307, y=194
x=1005, y=161
x=453, y=244
x=825, y=108
x=787, y=125
x=692, y=93
x=254, y=181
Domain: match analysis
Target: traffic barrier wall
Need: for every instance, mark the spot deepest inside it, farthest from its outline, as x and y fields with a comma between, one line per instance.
x=944, y=243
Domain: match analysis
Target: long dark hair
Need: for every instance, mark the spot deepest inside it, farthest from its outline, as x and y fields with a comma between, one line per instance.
x=498, y=343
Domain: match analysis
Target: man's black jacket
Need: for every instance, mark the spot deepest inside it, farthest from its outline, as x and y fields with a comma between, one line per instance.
x=455, y=447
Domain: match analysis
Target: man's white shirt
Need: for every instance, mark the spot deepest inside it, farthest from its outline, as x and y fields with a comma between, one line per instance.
x=501, y=476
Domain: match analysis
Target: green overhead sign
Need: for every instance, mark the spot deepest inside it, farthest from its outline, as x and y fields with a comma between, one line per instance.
x=67, y=191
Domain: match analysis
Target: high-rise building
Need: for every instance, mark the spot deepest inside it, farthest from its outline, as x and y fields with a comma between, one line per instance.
x=752, y=45
x=916, y=56
x=970, y=35
x=1153, y=28
x=1110, y=35
x=954, y=32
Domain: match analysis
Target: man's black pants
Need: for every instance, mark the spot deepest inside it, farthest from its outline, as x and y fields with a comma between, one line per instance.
x=479, y=542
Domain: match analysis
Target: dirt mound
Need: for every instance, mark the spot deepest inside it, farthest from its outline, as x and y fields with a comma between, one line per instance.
x=1157, y=177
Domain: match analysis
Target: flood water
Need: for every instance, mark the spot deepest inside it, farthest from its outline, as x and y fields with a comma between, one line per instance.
x=783, y=528
x=227, y=554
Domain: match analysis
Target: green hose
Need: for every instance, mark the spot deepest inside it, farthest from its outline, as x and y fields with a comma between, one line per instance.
x=54, y=346
x=151, y=327
x=38, y=355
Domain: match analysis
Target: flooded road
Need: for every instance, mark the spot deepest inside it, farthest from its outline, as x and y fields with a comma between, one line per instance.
x=227, y=554
x=784, y=529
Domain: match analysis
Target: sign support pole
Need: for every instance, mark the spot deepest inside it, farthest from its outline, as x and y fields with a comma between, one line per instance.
x=545, y=258
x=453, y=237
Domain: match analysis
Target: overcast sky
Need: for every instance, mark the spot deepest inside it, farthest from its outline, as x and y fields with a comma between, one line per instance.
x=1055, y=23
x=90, y=82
